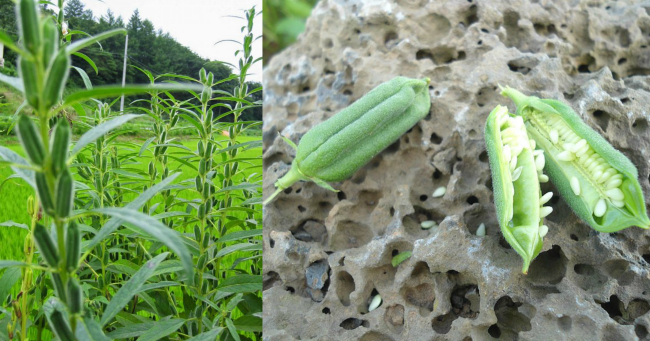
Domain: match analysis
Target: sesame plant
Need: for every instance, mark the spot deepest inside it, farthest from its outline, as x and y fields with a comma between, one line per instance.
x=153, y=239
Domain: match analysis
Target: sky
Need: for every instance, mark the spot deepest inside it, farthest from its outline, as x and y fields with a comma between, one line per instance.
x=197, y=24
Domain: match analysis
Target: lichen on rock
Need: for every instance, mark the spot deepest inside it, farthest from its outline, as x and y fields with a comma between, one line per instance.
x=327, y=254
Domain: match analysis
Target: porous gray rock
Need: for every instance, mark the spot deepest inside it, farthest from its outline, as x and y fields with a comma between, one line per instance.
x=584, y=285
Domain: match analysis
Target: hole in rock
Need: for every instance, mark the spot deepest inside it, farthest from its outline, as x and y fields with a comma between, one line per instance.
x=423, y=197
x=326, y=310
x=301, y=208
x=435, y=139
x=375, y=336
x=423, y=54
x=344, y=287
x=341, y=195
x=494, y=331
x=472, y=200
x=602, y=119
x=310, y=231
x=395, y=315
x=549, y=267
x=390, y=39
x=564, y=323
x=288, y=190
x=442, y=323
x=291, y=290
x=354, y=323
x=483, y=157
x=349, y=234
x=641, y=331
x=271, y=242
x=510, y=320
x=420, y=296
x=270, y=279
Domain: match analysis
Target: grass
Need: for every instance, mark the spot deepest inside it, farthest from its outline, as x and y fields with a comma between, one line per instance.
x=15, y=192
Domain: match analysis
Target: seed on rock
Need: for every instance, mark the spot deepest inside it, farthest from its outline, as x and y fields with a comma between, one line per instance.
x=565, y=156
x=545, y=198
x=517, y=173
x=440, y=191
x=543, y=230
x=615, y=194
x=375, y=303
x=575, y=185
x=544, y=211
x=427, y=224
x=600, y=208
x=480, y=231
x=554, y=136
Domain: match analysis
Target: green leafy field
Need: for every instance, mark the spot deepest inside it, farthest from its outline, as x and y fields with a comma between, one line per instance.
x=14, y=192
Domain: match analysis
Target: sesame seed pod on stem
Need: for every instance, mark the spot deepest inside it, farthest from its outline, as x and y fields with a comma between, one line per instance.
x=598, y=182
x=333, y=150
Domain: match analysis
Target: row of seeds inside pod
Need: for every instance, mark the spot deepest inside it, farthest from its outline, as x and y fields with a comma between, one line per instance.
x=577, y=149
x=514, y=140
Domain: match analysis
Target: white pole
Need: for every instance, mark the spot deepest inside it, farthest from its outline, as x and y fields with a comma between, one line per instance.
x=126, y=46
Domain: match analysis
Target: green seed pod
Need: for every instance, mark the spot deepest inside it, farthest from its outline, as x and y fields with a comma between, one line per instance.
x=29, y=25
x=44, y=193
x=199, y=183
x=100, y=282
x=201, y=262
x=204, y=287
x=50, y=41
x=197, y=233
x=151, y=169
x=60, y=146
x=163, y=137
x=516, y=167
x=200, y=148
x=235, y=165
x=210, y=79
x=60, y=325
x=201, y=211
x=333, y=150
x=206, y=95
x=206, y=240
x=75, y=297
x=226, y=171
x=175, y=120
x=31, y=140
x=202, y=167
x=208, y=206
x=597, y=181
x=73, y=246
x=56, y=77
x=46, y=246
x=64, y=194
x=206, y=190
x=209, y=148
x=202, y=76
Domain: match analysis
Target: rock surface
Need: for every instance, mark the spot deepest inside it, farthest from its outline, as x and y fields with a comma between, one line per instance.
x=327, y=254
